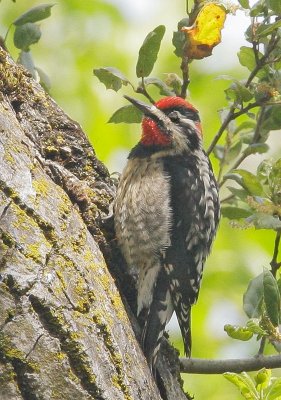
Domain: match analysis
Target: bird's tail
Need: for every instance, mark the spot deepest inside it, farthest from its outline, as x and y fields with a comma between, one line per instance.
x=183, y=296
x=183, y=312
x=159, y=313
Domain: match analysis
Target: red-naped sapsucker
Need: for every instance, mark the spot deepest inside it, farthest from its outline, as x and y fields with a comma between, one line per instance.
x=166, y=214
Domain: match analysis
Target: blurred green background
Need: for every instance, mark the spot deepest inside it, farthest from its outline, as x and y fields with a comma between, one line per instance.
x=85, y=34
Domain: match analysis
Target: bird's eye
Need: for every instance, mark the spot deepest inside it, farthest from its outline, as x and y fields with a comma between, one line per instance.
x=174, y=116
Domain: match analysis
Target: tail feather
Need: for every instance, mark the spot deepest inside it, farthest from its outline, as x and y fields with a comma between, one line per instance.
x=183, y=295
x=183, y=312
x=159, y=313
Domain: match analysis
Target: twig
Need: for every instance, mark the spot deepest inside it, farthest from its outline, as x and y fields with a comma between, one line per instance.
x=275, y=265
x=257, y=135
x=230, y=116
x=262, y=346
x=227, y=198
x=256, y=138
x=259, y=65
x=224, y=125
x=185, y=76
x=261, y=62
x=205, y=366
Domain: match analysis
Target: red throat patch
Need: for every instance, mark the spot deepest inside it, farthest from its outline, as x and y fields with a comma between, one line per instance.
x=152, y=135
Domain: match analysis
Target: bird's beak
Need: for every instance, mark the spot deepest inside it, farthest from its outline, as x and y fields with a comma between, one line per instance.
x=146, y=109
x=154, y=113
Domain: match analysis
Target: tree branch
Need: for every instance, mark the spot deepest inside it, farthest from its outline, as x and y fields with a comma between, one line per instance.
x=205, y=366
x=260, y=63
x=230, y=116
x=256, y=139
x=54, y=252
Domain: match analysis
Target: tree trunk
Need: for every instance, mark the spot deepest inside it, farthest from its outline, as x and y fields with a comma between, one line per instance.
x=66, y=332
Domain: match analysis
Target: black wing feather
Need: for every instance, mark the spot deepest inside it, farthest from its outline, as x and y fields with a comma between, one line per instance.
x=191, y=235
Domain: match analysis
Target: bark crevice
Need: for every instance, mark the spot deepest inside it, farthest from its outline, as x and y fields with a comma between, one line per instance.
x=64, y=325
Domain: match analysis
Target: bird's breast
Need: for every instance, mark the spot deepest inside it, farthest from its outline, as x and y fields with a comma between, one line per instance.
x=142, y=211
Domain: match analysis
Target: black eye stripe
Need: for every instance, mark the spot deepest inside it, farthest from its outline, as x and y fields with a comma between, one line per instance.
x=185, y=112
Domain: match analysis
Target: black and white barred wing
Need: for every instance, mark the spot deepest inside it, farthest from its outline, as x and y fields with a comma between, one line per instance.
x=195, y=206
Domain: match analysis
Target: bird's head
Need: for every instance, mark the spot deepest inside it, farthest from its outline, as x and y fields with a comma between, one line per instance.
x=172, y=122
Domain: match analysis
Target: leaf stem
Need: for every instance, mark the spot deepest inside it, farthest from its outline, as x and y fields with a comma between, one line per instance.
x=142, y=89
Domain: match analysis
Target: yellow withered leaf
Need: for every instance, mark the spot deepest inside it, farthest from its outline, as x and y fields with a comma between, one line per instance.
x=205, y=33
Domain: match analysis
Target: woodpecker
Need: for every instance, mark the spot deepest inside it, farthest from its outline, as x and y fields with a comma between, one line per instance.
x=166, y=214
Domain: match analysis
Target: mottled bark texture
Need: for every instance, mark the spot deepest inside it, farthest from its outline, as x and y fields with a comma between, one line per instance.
x=65, y=332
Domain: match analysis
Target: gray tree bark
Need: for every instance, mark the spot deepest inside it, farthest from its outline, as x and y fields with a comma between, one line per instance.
x=65, y=330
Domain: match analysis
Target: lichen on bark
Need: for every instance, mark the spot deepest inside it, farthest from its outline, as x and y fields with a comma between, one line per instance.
x=65, y=327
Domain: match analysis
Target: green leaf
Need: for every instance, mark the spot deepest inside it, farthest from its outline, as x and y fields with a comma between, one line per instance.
x=264, y=30
x=149, y=51
x=164, y=89
x=263, y=171
x=275, y=6
x=275, y=172
x=244, y=3
x=258, y=8
x=279, y=285
x=238, y=92
x=250, y=182
x=183, y=22
x=179, y=41
x=264, y=221
x=275, y=182
x=253, y=326
x=239, y=193
x=254, y=148
x=253, y=297
x=271, y=297
x=274, y=392
x=272, y=118
x=262, y=378
x=250, y=34
x=111, y=77
x=235, y=178
x=128, y=114
x=179, y=38
x=247, y=58
x=238, y=332
x=34, y=14
x=247, y=138
x=246, y=126
x=234, y=212
x=26, y=35
x=219, y=152
x=234, y=151
x=244, y=383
